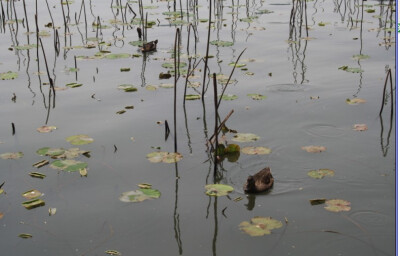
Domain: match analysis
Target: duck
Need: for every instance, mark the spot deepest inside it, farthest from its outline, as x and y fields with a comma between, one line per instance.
x=150, y=46
x=259, y=182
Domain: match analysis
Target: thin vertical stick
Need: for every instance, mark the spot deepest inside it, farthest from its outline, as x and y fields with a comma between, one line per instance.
x=175, y=85
x=389, y=74
x=208, y=46
x=26, y=18
x=216, y=124
x=13, y=128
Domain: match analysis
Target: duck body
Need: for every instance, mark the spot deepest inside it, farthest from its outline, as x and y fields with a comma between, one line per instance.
x=150, y=46
x=259, y=182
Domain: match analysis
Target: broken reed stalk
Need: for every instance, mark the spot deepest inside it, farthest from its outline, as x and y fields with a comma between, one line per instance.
x=305, y=14
x=207, y=49
x=187, y=80
x=76, y=69
x=63, y=12
x=230, y=76
x=26, y=18
x=47, y=68
x=211, y=140
x=167, y=130
x=13, y=129
x=176, y=77
x=216, y=124
x=389, y=74
x=57, y=42
x=15, y=15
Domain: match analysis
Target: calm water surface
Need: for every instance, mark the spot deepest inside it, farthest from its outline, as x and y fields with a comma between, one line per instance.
x=305, y=105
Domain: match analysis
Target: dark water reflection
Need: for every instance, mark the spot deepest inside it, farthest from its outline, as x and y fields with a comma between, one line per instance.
x=293, y=52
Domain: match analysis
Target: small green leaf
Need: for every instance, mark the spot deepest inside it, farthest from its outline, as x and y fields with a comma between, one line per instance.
x=25, y=236
x=192, y=97
x=33, y=203
x=8, y=75
x=218, y=189
x=127, y=87
x=319, y=174
x=165, y=157
x=229, y=97
x=68, y=165
x=37, y=175
x=81, y=139
x=113, y=252
x=256, y=96
x=139, y=195
x=317, y=201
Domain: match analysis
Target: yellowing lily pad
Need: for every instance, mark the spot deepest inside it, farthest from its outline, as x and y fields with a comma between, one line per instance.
x=73, y=85
x=32, y=194
x=165, y=157
x=171, y=65
x=113, y=252
x=355, y=101
x=351, y=70
x=151, y=87
x=360, y=127
x=259, y=226
x=221, y=43
x=256, y=96
x=46, y=128
x=127, y=88
x=256, y=150
x=337, y=205
x=8, y=75
x=33, y=203
x=319, y=174
x=139, y=195
x=11, y=155
x=79, y=139
x=218, y=189
x=192, y=97
x=314, y=149
x=229, y=97
x=68, y=165
x=245, y=137
x=117, y=55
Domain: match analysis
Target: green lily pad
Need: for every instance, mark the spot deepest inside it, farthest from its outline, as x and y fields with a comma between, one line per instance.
x=171, y=65
x=256, y=150
x=229, y=97
x=370, y=10
x=245, y=137
x=232, y=148
x=337, y=205
x=238, y=65
x=178, y=22
x=32, y=194
x=138, y=43
x=68, y=165
x=360, y=57
x=263, y=11
x=259, y=226
x=174, y=13
x=256, y=96
x=317, y=201
x=71, y=153
x=45, y=128
x=319, y=174
x=11, y=155
x=355, y=101
x=127, y=88
x=8, y=75
x=351, y=70
x=73, y=85
x=192, y=97
x=218, y=189
x=41, y=163
x=165, y=157
x=33, y=204
x=25, y=235
x=167, y=86
x=81, y=139
x=50, y=151
x=151, y=87
x=117, y=56
x=139, y=195
x=221, y=43
x=25, y=47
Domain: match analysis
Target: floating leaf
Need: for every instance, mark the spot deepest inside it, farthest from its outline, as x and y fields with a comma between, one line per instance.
x=52, y=211
x=238, y=65
x=256, y=150
x=72, y=153
x=249, y=19
x=68, y=165
x=351, y=70
x=73, y=85
x=319, y=174
x=83, y=172
x=139, y=195
x=8, y=75
x=355, y=101
x=314, y=149
x=144, y=185
x=1, y=215
x=317, y=201
x=81, y=139
x=120, y=112
x=37, y=175
x=337, y=205
x=25, y=236
x=166, y=157
x=256, y=96
x=137, y=43
x=25, y=47
x=113, y=252
x=33, y=203
x=192, y=97
x=151, y=87
x=46, y=128
x=40, y=163
x=370, y=10
x=127, y=87
x=245, y=137
x=259, y=226
x=167, y=86
x=32, y=194
x=360, y=57
x=232, y=148
x=263, y=11
x=229, y=97
x=117, y=55
x=221, y=43
x=125, y=69
x=218, y=189
x=172, y=65
x=50, y=151
x=11, y=155
x=360, y=127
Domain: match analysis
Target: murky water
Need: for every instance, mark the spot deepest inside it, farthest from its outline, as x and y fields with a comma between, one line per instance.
x=305, y=105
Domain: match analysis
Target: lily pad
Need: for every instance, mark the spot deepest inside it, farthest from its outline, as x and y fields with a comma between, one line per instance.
x=317, y=201
x=314, y=149
x=355, y=101
x=192, y=97
x=167, y=86
x=245, y=137
x=41, y=163
x=256, y=96
x=8, y=75
x=72, y=153
x=165, y=157
x=361, y=57
x=81, y=139
x=68, y=165
x=319, y=174
x=50, y=151
x=238, y=65
x=73, y=85
x=114, y=56
x=52, y=211
x=113, y=252
x=32, y=194
x=37, y=175
x=360, y=127
x=256, y=150
x=151, y=87
x=171, y=65
x=139, y=195
x=137, y=43
x=46, y=128
x=263, y=11
x=232, y=148
x=218, y=189
x=25, y=235
x=221, y=43
x=229, y=97
x=351, y=70
x=127, y=88
x=25, y=47
x=259, y=226
x=337, y=205
x=33, y=203
x=11, y=155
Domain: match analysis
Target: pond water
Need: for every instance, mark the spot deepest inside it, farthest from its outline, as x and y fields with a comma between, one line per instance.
x=309, y=59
